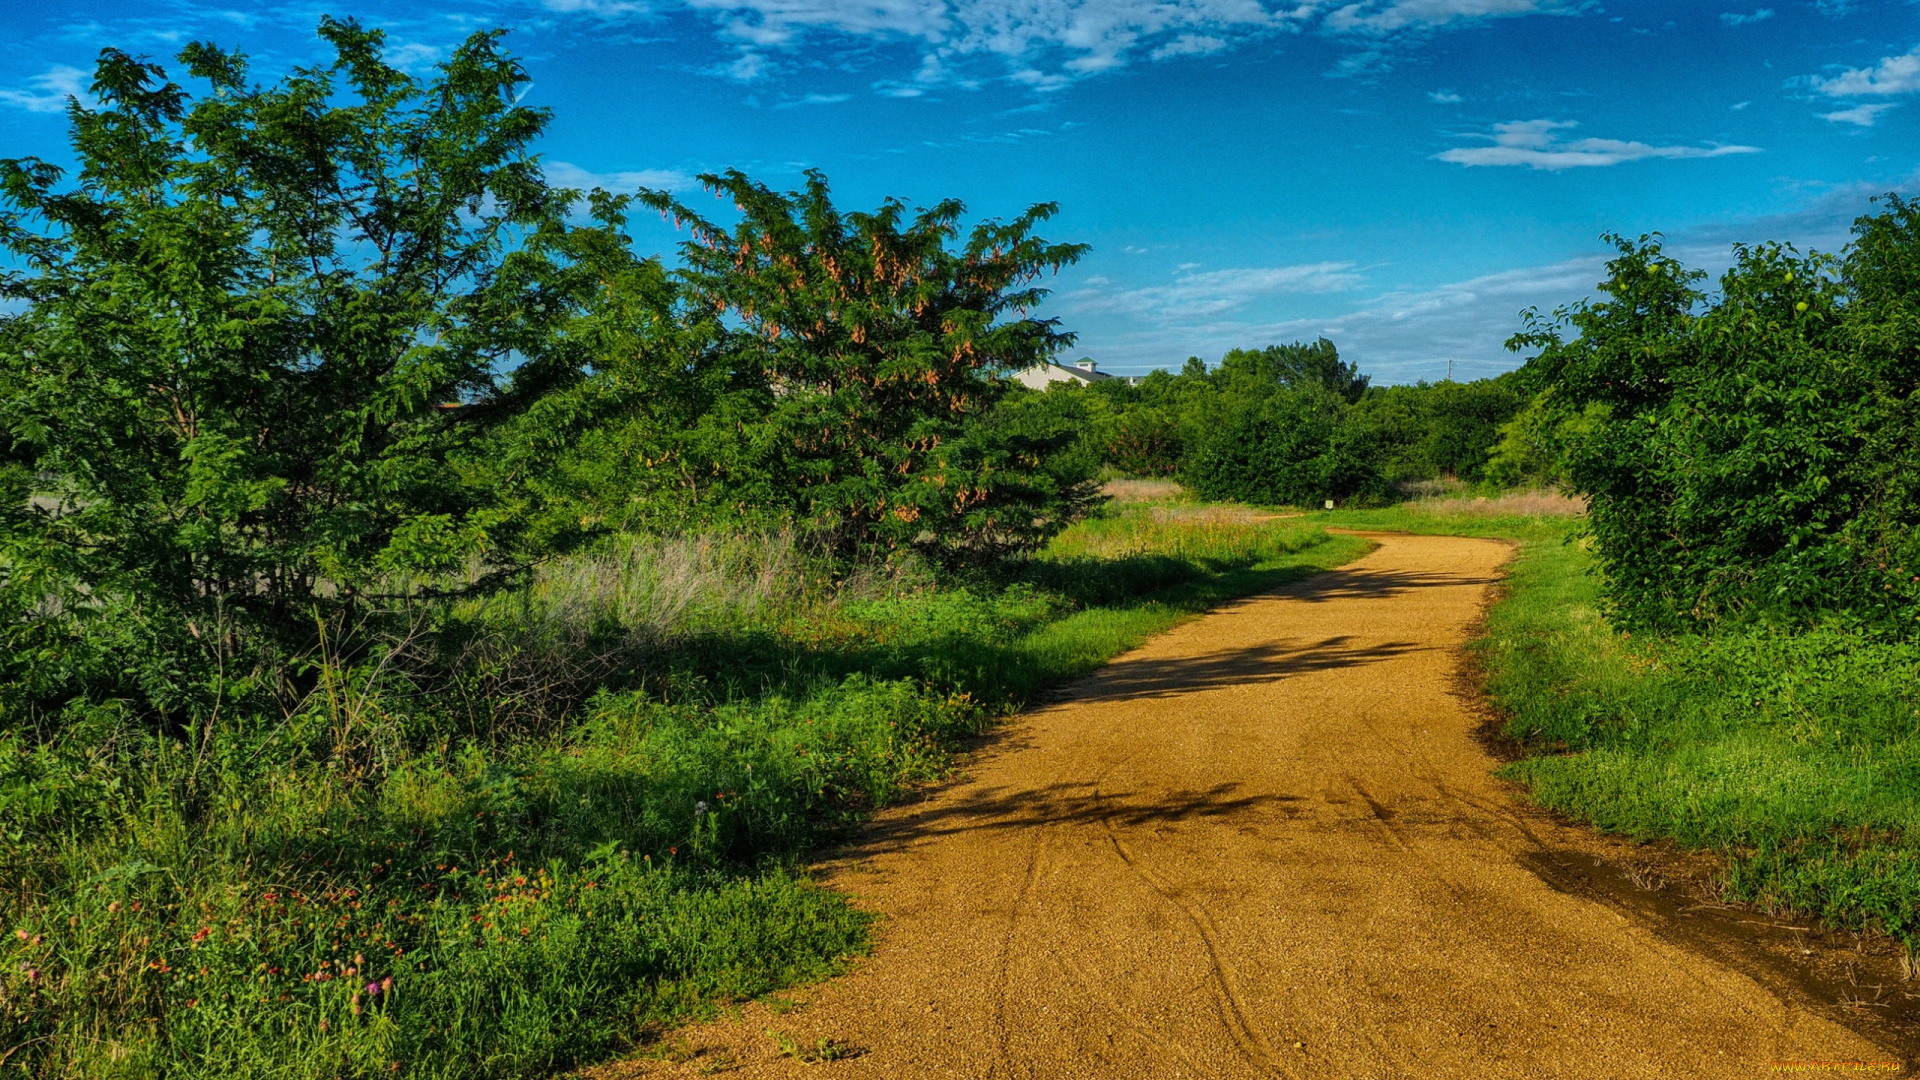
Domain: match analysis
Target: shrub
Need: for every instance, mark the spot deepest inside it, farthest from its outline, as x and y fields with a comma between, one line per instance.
x=868, y=350
x=1757, y=451
x=254, y=337
x=1296, y=447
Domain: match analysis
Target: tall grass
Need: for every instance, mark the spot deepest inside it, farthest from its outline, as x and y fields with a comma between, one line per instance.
x=1793, y=751
x=536, y=829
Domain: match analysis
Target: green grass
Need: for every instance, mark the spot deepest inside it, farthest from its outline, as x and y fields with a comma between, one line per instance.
x=579, y=820
x=1794, y=752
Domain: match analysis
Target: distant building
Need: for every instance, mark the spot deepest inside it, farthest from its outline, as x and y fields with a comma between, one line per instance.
x=1040, y=376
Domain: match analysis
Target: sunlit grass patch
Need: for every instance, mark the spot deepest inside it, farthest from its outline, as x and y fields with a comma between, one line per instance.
x=553, y=823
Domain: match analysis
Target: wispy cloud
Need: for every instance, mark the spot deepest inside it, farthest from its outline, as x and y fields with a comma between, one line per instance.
x=1196, y=294
x=1189, y=45
x=1537, y=144
x=1444, y=97
x=1047, y=44
x=603, y=8
x=1388, y=16
x=1399, y=336
x=567, y=174
x=1734, y=18
x=1862, y=115
x=49, y=90
x=814, y=99
x=1892, y=75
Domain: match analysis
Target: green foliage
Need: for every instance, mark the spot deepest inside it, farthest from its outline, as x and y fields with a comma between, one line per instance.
x=1258, y=372
x=1755, y=451
x=1537, y=445
x=252, y=339
x=1294, y=447
x=396, y=874
x=1427, y=431
x=864, y=348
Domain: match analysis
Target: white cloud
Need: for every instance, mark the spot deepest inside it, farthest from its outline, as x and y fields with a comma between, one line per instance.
x=50, y=90
x=1389, y=16
x=1738, y=105
x=1195, y=295
x=814, y=99
x=1189, y=45
x=1400, y=336
x=1863, y=115
x=1892, y=75
x=1734, y=18
x=568, y=175
x=1047, y=44
x=746, y=67
x=414, y=56
x=1444, y=97
x=1537, y=144
x=606, y=9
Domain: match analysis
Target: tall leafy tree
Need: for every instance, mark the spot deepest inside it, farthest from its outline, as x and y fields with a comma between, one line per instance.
x=1258, y=372
x=251, y=338
x=863, y=350
x=1752, y=448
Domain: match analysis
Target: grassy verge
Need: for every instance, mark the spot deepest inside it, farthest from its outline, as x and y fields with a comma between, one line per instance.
x=540, y=828
x=1793, y=752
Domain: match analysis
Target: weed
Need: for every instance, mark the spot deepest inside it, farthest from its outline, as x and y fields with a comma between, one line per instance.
x=818, y=1052
x=541, y=828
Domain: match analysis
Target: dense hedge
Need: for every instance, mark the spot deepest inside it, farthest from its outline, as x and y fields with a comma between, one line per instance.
x=1759, y=448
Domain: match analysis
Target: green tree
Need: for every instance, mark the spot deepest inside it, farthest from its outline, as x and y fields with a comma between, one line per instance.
x=250, y=344
x=1258, y=372
x=1756, y=446
x=1431, y=430
x=865, y=346
x=1296, y=447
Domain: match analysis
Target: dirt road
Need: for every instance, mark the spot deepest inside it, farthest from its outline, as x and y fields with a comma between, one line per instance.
x=1265, y=844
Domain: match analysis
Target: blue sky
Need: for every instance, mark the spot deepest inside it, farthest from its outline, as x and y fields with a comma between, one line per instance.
x=1402, y=176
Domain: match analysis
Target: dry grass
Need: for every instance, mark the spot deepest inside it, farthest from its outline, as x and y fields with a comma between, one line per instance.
x=1139, y=491
x=1194, y=532
x=1537, y=503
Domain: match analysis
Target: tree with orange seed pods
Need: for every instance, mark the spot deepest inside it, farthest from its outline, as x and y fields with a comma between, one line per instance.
x=879, y=343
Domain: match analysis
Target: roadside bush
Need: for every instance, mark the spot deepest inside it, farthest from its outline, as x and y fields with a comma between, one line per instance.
x=223, y=421
x=1755, y=454
x=1296, y=447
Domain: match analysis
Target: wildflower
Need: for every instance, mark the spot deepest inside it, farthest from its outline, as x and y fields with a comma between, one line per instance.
x=200, y=935
x=386, y=984
x=700, y=808
x=374, y=989
x=21, y=934
x=323, y=1025
x=33, y=974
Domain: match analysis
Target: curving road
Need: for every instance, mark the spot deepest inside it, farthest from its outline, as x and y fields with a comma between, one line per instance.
x=1266, y=844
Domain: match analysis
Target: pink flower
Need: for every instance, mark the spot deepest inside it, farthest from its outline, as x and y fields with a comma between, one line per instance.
x=373, y=989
